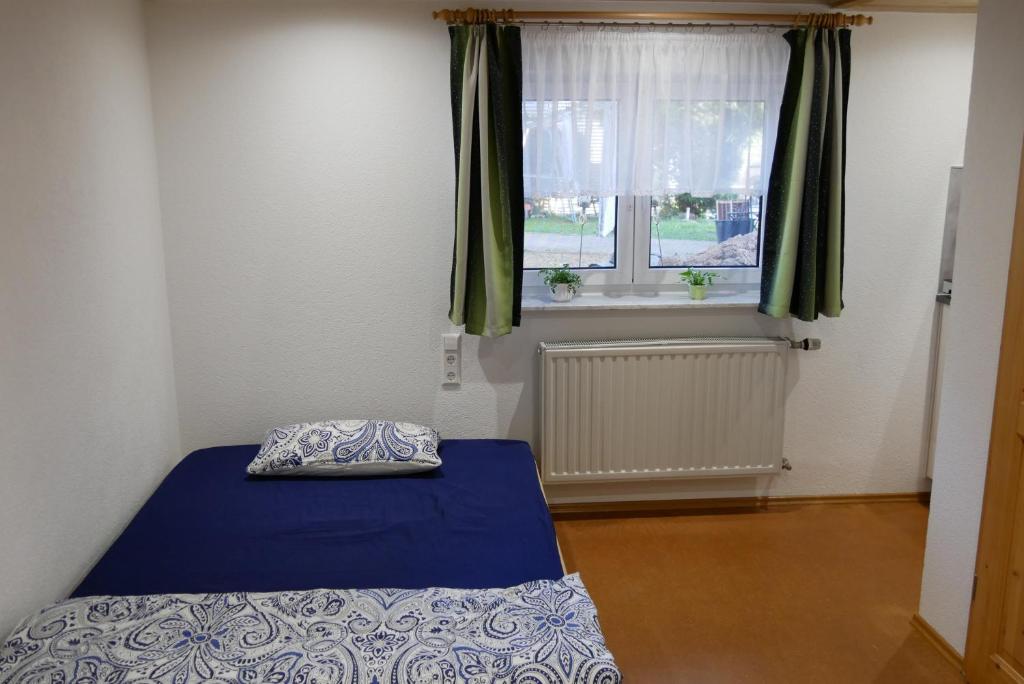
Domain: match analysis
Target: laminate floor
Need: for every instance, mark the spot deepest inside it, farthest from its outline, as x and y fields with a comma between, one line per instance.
x=808, y=593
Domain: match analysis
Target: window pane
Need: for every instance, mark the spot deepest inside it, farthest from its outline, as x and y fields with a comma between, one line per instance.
x=569, y=148
x=710, y=146
x=578, y=231
x=720, y=231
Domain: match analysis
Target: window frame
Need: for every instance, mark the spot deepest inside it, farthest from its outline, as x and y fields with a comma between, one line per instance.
x=645, y=274
x=632, y=269
x=622, y=273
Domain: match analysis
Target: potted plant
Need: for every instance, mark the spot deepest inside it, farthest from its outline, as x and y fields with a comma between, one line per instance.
x=698, y=282
x=562, y=281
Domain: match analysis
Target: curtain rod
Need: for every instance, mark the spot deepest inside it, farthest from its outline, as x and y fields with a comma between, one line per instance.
x=472, y=15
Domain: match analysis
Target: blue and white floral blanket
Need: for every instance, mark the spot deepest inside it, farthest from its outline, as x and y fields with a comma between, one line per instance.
x=539, y=632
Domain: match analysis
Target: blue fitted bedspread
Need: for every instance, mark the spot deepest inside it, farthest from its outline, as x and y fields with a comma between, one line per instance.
x=478, y=521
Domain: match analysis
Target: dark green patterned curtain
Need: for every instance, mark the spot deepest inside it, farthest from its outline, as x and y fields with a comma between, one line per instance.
x=802, y=272
x=487, y=261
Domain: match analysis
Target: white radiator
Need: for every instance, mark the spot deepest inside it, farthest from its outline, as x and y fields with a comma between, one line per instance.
x=648, y=409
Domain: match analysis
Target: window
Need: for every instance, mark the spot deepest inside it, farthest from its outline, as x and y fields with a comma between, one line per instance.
x=566, y=227
x=574, y=231
x=721, y=231
x=679, y=231
x=645, y=153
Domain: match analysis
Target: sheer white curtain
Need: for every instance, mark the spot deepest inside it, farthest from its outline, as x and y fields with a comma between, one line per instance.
x=641, y=112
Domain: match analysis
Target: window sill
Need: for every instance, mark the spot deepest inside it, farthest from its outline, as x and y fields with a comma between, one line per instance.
x=598, y=301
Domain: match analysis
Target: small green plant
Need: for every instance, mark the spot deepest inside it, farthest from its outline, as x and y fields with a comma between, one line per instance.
x=698, y=278
x=561, y=276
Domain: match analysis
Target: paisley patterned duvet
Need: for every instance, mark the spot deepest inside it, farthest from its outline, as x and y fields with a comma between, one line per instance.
x=539, y=632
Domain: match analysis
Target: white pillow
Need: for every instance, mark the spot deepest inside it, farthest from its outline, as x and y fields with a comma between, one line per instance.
x=347, y=448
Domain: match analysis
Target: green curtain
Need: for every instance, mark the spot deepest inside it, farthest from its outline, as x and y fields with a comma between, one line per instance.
x=802, y=271
x=487, y=261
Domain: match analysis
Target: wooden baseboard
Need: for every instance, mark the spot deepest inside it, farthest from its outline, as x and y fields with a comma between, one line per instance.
x=604, y=509
x=936, y=640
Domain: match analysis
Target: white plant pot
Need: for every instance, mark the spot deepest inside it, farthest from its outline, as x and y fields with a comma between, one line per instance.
x=698, y=291
x=561, y=293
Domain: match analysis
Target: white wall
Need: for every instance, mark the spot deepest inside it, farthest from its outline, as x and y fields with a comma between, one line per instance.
x=992, y=164
x=87, y=409
x=307, y=184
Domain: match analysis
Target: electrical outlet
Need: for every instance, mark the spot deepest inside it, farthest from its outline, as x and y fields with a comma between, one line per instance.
x=451, y=359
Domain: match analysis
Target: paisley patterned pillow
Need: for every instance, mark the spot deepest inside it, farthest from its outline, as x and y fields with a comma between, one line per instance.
x=347, y=448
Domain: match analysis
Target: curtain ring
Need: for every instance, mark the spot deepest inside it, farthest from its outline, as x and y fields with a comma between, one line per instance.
x=732, y=28
x=707, y=28
x=651, y=28
x=754, y=28
x=545, y=26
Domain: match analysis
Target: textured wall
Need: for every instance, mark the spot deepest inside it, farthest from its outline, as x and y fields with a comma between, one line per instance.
x=306, y=177
x=991, y=170
x=87, y=409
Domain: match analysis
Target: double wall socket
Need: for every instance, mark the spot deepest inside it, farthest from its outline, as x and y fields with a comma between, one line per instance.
x=451, y=359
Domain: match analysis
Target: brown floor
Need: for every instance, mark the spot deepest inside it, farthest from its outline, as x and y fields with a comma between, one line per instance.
x=814, y=593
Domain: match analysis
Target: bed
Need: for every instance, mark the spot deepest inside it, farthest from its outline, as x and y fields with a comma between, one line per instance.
x=479, y=521
x=453, y=575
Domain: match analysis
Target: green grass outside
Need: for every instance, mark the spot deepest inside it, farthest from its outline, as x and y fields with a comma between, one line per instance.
x=674, y=228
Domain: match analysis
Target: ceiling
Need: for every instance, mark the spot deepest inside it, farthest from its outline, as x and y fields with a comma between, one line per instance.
x=877, y=5
x=907, y=5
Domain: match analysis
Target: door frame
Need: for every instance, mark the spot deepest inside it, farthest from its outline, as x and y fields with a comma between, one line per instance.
x=1002, y=476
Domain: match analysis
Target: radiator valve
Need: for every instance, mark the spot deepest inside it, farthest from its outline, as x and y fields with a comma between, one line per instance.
x=807, y=344
x=786, y=465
